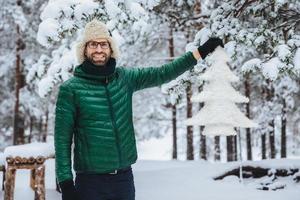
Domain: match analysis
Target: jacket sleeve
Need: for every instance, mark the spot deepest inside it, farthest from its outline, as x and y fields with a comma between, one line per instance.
x=63, y=133
x=141, y=78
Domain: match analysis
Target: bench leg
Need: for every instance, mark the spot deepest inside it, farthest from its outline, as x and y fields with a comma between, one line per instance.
x=32, y=179
x=40, y=183
x=10, y=176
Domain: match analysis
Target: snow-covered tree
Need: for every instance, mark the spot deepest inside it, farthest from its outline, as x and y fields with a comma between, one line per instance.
x=263, y=38
x=61, y=28
x=18, y=50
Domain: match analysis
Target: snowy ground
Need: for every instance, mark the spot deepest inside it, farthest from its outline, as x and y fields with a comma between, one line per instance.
x=179, y=180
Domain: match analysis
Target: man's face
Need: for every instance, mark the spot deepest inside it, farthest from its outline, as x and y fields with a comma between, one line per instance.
x=98, y=51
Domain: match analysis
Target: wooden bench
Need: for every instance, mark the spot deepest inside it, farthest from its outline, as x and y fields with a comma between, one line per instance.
x=37, y=175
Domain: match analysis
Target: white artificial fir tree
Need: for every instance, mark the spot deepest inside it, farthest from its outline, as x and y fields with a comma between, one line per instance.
x=220, y=113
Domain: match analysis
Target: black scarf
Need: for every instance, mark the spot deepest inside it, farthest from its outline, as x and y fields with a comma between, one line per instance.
x=106, y=70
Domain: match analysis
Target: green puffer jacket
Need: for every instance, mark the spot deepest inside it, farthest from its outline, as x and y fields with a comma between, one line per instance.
x=96, y=112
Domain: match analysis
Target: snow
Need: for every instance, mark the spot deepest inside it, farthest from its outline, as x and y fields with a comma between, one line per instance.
x=140, y=26
x=297, y=60
x=45, y=85
x=150, y=3
x=119, y=39
x=251, y=65
x=48, y=29
x=19, y=18
x=203, y=35
x=200, y=38
x=135, y=8
x=178, y=180
x=253, y=30
x=152, y=149
x=198, y=184
x=230, y=48
x=52, y=10
x=283, y=51
x=259, y=40
x=112, y=9
x=86, y=8
x=6, y=61
x=270, y=69
x=33, y=149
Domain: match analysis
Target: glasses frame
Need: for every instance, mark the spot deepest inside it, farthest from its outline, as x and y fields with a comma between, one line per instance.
x=88, y=44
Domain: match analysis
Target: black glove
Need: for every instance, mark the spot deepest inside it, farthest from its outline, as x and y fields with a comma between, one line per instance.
x=68, y=190
x=209, y=46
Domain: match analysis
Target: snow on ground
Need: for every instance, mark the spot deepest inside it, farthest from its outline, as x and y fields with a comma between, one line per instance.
x=182, y=180
x=192, y=180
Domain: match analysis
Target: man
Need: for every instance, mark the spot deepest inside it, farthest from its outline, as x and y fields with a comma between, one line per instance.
x=94, y=110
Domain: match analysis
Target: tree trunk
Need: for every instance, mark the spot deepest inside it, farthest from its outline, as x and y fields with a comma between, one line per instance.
x=263, y=135
x=248, y=133
x=189, y=92
x=229, y=145
x=217, y=148
x=284, y=108
x=40, y=129
x=263, y=147
x=174, y=122
x=202, y=152
x=190, y=147
x=272, y=139
x=231, y=142
x=18, y=123
x=283, y=130
x=45, y=131
x=30, y=129
x=198, y=26
x=174, y=118
x=235, y=150
x=202, y=145
x=270, y=96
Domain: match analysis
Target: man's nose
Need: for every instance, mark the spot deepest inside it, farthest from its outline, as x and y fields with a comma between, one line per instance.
x=99, y=48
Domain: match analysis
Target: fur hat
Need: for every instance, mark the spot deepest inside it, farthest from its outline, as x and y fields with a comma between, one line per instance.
x=95, y=30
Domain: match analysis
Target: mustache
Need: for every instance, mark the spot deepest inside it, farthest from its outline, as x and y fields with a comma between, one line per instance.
x=99, y=54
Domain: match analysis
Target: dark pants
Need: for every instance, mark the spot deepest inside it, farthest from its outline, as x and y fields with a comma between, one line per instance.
x=106, y=186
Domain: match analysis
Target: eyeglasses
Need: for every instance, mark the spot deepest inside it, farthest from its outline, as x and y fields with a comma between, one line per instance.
x=94, y=45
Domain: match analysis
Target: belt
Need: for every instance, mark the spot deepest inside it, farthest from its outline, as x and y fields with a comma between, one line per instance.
x=114, y=172
x=119, y=171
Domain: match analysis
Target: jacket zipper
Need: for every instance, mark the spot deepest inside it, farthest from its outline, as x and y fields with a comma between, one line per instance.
x=113, y=121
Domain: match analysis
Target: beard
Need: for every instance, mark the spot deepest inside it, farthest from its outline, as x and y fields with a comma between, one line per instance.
x=98, y=59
